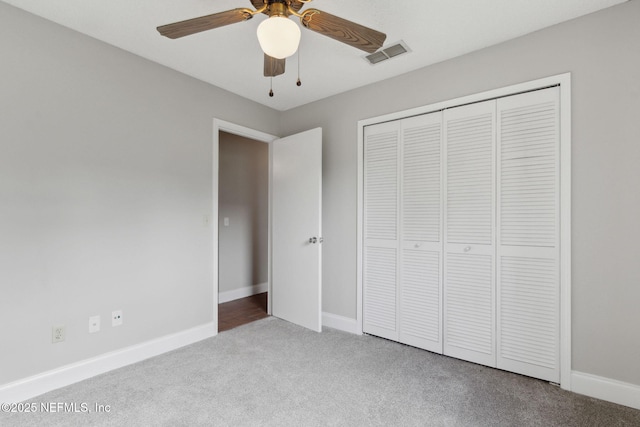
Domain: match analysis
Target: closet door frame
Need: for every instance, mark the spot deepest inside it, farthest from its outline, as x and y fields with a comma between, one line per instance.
x=564, y=82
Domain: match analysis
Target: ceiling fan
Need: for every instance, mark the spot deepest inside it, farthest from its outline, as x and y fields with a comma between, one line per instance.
x=279, y=36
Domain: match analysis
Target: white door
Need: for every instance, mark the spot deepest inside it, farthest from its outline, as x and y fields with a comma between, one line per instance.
x=420, y=275
x=296, y=229
x=380, y=255
x=528, y=249
x=469, y=275
x=402, y=257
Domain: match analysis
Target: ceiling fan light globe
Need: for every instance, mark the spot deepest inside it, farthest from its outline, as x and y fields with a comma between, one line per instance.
x=279, y=37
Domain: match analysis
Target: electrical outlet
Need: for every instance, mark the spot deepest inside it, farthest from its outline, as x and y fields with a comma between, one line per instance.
x=94, y=324
x=58, y=333
x=116, y=318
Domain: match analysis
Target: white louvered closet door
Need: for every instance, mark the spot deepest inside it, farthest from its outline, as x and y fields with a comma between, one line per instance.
x=420, y=274
x=469, y=246
x=528, y=234
x=381, y=234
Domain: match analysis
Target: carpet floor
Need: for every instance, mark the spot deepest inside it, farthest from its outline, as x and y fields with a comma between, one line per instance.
x=273, y=373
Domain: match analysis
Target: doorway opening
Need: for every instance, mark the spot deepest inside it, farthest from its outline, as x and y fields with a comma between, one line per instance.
x=240, y=225
x=294, y=224
x=243, y=225
x=243, y=230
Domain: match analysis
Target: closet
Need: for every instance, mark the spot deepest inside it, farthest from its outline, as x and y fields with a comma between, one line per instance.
x=461, y=232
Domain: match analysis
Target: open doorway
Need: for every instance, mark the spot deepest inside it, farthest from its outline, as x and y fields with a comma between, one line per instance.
x=294, y=218
x=243, y=230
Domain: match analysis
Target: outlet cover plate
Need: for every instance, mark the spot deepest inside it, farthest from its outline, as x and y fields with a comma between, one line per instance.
x=58, y=333
x=116, y=318
x=94, y=324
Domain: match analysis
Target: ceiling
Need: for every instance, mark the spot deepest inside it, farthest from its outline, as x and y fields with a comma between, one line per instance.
x=230, y=57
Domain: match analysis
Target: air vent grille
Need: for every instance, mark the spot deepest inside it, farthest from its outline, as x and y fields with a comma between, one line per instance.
x=395, y=50
x=388, y=53
x=376, y=57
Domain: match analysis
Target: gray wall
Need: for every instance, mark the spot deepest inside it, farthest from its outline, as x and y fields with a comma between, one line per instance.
x=243, y=198
x=105, y=176
x=602, y=53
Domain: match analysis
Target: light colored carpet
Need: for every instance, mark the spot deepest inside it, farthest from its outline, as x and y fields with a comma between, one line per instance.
x=273, y=373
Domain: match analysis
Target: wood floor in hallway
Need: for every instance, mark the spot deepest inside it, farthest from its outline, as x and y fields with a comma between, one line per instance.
x=242, y=311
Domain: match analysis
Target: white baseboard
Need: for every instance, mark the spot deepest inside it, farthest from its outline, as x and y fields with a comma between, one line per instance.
x=36, y=385
x=606, y=389
x=341, y=323
x=247, y=291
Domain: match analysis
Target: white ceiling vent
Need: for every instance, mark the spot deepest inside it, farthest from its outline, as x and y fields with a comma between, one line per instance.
x=388, y=53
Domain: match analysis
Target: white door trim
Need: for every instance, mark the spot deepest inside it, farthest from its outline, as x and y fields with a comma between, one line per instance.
x=221, y=125
x=564, y=80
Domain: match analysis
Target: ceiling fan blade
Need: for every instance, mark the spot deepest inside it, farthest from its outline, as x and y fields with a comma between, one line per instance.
x=273, y=66
x=344, y=31
x=204, y=23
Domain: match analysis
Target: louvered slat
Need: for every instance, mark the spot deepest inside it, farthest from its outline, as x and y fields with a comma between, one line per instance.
x=380, y=290
x=420, y=299
x=381, y=185
x=528, y=146
x=421, y=183
x=469, y=304
x=528, y=307
x=469, y=193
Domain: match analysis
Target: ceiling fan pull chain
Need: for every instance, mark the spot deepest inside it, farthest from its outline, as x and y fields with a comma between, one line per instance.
x=299, y=82
x=271, y=87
